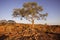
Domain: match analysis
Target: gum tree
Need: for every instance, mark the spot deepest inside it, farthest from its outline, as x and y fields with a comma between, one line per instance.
x=30, y=11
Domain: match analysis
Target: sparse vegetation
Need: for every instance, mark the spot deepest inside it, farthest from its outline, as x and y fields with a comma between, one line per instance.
x=10, y=30
x=23, y=31
x=3, y=22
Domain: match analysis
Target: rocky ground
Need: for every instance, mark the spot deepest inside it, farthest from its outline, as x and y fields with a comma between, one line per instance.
x=26, y=32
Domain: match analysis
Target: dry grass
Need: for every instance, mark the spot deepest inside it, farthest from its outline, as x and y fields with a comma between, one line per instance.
x=26, y=32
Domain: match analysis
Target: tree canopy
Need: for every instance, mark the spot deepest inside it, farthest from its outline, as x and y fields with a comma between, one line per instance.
x=30, y=11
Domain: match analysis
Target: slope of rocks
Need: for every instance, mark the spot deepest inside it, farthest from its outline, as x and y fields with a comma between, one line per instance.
x=25, y=32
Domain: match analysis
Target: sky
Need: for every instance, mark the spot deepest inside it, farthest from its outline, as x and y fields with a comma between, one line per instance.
x=52, y=7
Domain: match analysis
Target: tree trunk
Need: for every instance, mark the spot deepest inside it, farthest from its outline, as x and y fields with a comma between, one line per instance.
x=32, y=20
x=32, y=23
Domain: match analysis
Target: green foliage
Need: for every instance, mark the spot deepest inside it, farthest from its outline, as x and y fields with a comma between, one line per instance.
x=30, y=8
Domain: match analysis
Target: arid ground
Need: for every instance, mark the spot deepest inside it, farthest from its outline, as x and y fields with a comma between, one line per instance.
x=20, y=31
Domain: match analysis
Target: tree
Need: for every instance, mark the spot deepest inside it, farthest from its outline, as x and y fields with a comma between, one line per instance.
x=30, y=11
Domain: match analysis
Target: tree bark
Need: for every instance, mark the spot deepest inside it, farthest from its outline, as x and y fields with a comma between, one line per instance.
x=32, y=20
x=32, y=23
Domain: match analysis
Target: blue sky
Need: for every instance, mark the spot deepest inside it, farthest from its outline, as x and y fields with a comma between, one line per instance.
x=52, y=7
